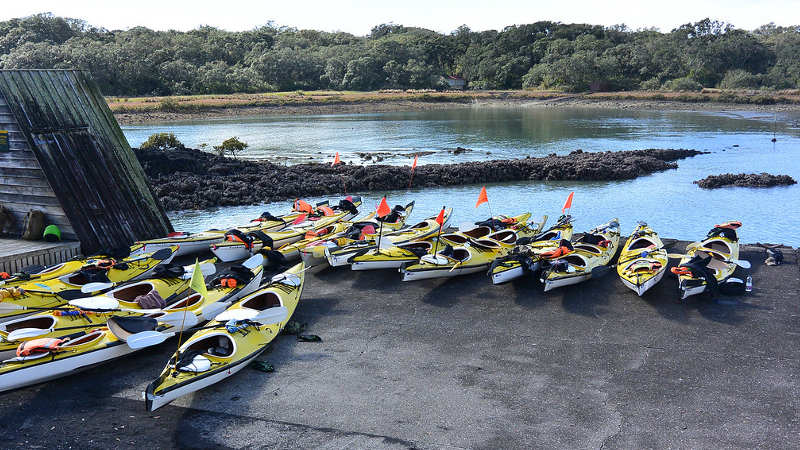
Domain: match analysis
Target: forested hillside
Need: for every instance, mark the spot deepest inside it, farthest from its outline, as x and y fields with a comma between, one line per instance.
x=206, y=60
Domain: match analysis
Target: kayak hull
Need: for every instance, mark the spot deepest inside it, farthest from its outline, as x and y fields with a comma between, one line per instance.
x=445, y=272
x=507, y=275
x=153, y=401
x=644, y=287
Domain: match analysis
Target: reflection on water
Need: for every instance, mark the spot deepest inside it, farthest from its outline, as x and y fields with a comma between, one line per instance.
x=738, y=142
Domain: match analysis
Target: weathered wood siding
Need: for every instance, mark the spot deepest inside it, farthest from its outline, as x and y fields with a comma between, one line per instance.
x=23, y=185
x=78, y=145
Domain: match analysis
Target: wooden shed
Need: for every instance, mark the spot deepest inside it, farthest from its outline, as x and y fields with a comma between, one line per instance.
x=67, y=156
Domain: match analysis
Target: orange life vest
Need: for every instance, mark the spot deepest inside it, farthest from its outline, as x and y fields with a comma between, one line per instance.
x=557, y=253
x=36, y=346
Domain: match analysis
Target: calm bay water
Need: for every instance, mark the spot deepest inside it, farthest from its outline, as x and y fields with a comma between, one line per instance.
x=668, y=201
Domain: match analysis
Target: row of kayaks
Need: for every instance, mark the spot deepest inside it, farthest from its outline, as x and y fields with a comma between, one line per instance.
x=224, y=328
x=75, y=315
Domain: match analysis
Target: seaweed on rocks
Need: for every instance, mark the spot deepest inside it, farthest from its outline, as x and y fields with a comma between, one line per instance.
x=192, y=179
x=762, y=179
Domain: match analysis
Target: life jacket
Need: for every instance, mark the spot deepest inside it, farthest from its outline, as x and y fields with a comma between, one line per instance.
x=4, y=275
x=682, y=271
x=369, y=229
x=101, y=264
x=37, y=346
x=557, y=253
x=326, y=210
x=303, y=206
x=645, y=266
x=604, y=243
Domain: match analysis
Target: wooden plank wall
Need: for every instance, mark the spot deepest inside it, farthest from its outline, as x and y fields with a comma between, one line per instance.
x=23, y=185
x=19, y=254
x=88, y=163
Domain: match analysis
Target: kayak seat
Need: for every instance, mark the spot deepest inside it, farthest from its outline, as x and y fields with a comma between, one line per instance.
x=457, y=238
x=640, y=243
x=718, y=246
x=130, y=293
x=85, y=339
x=507, y=236
x=41, y=322
x=460, y=254
x=187, y=302
x=478, y=232
x=263, y=301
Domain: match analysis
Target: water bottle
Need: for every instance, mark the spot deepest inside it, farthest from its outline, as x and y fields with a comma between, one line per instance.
x=748, y=285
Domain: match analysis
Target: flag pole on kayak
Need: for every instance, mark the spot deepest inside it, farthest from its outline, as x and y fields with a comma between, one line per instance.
x=198, y=284
x=413, y=166
x=440, y=220
x=483, y=198
x=382, y=211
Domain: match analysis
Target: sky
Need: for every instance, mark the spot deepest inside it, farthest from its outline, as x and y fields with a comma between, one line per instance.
x=358, y=17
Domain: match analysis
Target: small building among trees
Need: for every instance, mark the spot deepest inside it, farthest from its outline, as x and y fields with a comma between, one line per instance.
x=454, y=82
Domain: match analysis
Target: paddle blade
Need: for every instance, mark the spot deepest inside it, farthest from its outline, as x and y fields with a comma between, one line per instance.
x=95, y=303
x=214, y=309
x=254, y=261
x=162, y=254
x=72, y=294
x=601, y=271
x=675, y=255
x=272, y=315
x=88, y=288
x=182, y=319
x=27, y=333
x=147, y=339
x=744, y=264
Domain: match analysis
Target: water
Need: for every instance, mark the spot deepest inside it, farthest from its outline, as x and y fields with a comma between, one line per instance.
x=668, y=201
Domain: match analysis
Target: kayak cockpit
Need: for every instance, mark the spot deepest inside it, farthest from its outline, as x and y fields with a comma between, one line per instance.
x=129, y=293
x=188, y=302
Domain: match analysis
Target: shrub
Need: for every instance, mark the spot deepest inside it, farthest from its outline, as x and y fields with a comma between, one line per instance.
x=685, y=84
x=232, y=146
x=168, y=105
x=651, y=85
x=739, y=79
x=161, y=141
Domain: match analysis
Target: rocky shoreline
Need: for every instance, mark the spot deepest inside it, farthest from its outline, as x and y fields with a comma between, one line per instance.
x=745, y=180
x=192, y=179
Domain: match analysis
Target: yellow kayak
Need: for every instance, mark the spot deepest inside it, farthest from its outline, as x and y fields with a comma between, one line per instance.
x=394, y=221
x=643, y=260
x=239, y=245
x=171, y=289
x=74, y=265
x=709, y=262
x=229, y=343
x=46, y=358
x=472, y=250
x=594, y=249
x=191, y=243
x=529, y=254
x=55, y=292
x=343, y=251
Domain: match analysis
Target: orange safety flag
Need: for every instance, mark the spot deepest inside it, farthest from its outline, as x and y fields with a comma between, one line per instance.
x=414, y=164
x=568, y=203
x=383, y=208
x=440, y=218
x=482, y=197
x=300, y=219
x=336, y=160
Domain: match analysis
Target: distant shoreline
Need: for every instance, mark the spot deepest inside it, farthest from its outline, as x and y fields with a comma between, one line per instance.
x=173, y=109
